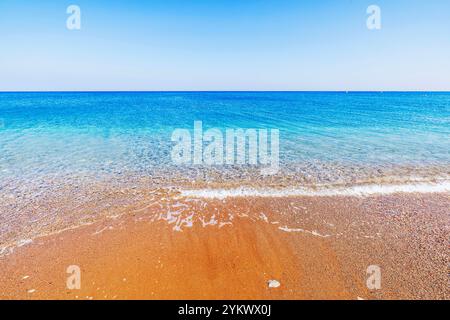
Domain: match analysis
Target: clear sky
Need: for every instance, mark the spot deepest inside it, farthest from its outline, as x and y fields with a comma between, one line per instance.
x=225, y=45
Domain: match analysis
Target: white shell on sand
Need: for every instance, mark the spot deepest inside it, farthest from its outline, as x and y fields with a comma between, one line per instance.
x=273, y=283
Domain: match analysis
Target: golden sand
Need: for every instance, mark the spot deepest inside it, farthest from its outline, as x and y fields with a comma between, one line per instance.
x=315, y=248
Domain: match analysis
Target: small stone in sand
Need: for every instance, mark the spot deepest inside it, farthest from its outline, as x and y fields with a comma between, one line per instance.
x=31, y=290
x=273, y=283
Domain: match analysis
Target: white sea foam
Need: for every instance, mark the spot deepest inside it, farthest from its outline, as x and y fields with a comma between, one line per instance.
x=360, y=191
x=24, y=242
x=314, y=233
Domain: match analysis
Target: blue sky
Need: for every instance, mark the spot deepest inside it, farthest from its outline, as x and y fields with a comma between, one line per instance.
x=225, y=45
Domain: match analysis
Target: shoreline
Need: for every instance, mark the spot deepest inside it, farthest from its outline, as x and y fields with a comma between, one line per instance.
x=204, y=192
x=316, y=247
x=363, y=190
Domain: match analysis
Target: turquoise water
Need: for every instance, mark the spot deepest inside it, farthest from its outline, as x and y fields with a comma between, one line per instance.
x=107, y=133
x=67, y=158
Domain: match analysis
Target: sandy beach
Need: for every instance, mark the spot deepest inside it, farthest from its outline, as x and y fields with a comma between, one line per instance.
x=313, y=247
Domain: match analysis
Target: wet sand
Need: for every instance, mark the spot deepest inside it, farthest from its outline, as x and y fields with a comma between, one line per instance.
x=315, y=247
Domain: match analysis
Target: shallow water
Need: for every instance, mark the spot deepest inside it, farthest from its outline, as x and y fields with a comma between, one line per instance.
x=65, y=156
x=320, y=133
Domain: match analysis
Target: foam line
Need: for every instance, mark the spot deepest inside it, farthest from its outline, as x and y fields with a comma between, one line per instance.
x=359, y=191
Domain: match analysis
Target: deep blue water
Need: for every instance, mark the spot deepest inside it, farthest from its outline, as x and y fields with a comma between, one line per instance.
x=51, y=133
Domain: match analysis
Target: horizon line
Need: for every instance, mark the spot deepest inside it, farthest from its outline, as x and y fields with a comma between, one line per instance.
x=219, y=91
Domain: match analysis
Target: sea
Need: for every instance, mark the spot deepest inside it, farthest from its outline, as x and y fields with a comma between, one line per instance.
x=61, y=151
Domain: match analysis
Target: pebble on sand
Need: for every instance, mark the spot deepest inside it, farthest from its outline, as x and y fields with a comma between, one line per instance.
x=273, y=283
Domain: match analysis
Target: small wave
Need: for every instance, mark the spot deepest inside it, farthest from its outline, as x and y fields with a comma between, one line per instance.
x=358, y=191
